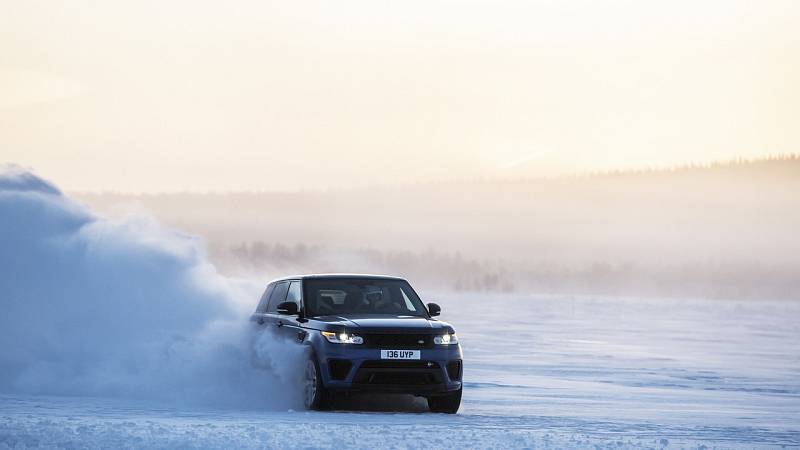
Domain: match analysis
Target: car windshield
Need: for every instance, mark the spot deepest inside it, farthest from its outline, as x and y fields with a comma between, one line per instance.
x=340, y=296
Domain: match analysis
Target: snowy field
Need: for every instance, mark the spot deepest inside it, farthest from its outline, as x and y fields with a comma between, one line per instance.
x=541, y=372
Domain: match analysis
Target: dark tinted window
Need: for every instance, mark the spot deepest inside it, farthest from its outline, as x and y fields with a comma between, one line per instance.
x=336, y=296
x=295, y=293
x=262, y=304
x=278, y=295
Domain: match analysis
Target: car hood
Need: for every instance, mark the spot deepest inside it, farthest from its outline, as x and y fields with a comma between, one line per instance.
x=379, y=324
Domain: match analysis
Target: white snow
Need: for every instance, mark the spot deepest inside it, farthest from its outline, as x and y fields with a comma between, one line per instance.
x=123, y=308
x=541, y=372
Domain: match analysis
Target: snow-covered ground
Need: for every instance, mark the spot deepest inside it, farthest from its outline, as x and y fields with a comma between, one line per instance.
x=543, y=372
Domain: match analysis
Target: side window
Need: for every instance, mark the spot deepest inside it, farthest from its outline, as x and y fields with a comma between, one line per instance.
x=295, y=293
x=262, y=305
x=278, y=296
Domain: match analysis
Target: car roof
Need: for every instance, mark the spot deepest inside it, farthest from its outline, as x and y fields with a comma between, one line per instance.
x=333, y=276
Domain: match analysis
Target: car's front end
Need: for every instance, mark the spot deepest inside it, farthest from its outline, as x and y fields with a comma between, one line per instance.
x=396, y=360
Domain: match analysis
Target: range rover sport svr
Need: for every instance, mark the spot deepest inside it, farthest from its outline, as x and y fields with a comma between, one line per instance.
x=365, y=333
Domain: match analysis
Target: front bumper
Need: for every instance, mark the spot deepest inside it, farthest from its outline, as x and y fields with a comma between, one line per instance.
x=347, y=367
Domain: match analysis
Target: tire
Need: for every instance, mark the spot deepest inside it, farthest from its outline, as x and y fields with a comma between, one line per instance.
x=315, y=396
x=448, y=403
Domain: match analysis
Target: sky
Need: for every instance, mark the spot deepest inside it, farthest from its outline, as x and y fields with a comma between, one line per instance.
x=152, y=96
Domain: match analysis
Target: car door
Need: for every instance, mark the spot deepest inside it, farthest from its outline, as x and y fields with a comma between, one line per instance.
x=290, y=327
x=271, y=318
x=259, y=316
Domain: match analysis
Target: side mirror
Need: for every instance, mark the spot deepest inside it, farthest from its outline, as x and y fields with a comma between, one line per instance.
x=287, y=308
x=434, y=309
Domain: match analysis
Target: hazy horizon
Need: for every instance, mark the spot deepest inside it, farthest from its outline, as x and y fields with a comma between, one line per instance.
x=728, y=230
x=518, y=178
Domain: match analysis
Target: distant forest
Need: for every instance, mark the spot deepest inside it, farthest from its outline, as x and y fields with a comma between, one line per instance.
x=727, y=230
x=454, y=272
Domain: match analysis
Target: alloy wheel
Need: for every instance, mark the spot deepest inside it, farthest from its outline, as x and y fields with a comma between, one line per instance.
x=310, y=384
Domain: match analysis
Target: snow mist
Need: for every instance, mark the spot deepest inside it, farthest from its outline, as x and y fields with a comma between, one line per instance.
x=124, y=308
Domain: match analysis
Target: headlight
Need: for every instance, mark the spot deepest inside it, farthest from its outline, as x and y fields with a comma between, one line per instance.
x=446, y=339
x=342, y=338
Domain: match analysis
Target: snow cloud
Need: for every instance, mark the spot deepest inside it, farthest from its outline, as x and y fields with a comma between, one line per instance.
x=92, y=306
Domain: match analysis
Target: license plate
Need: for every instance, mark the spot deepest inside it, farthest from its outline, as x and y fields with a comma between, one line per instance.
x=400, y=354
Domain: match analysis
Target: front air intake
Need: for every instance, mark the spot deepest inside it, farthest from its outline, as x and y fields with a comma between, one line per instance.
x=454, y=369
x=339, y=368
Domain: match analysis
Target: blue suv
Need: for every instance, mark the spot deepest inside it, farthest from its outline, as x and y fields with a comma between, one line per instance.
x=365, y=333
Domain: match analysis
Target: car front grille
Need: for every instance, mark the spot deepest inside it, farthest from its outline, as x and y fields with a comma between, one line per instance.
x=398, y=341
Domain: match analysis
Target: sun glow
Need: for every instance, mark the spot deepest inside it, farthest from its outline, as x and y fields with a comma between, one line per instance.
x=285, y=95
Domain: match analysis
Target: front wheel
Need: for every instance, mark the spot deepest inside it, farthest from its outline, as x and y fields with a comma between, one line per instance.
x=314, y=393
x=447, y=403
